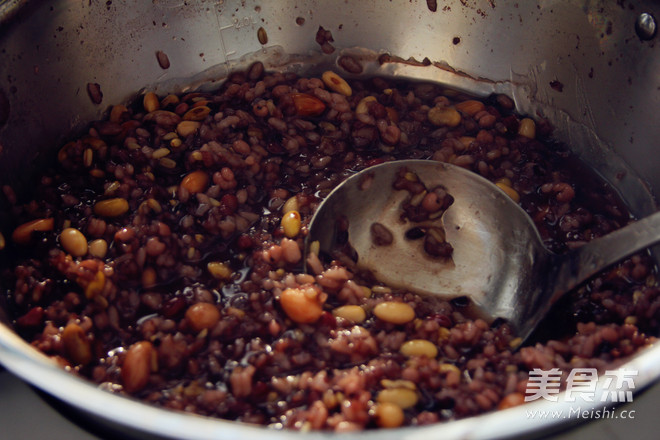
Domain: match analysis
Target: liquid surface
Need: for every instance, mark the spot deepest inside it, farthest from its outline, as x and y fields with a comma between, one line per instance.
x=186, y=289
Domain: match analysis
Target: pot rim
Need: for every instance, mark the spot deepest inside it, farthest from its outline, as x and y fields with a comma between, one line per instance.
x=31, y=365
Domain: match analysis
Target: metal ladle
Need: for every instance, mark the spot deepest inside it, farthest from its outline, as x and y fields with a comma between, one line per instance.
x=499, y=260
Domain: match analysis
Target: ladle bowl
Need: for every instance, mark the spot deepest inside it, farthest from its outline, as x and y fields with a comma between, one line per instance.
x=498, y=260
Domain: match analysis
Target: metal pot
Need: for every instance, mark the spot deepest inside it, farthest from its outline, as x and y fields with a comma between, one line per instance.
x=589, y=67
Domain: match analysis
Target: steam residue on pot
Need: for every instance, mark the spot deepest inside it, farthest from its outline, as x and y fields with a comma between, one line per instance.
x=324, y=39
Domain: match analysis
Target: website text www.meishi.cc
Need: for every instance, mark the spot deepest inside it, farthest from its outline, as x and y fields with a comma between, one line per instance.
x=581, y=388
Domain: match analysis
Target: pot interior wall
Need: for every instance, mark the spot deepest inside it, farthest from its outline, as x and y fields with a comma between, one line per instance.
x=580, y=64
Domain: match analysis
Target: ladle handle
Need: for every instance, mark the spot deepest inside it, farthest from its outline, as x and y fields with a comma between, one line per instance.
x=602, y=252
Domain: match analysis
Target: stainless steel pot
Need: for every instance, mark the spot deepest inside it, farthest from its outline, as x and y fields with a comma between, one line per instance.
x=590, y=67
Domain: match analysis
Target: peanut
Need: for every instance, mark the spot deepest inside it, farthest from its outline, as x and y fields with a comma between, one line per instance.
x=163, y=118
x=149, y=277
x=187, y=128
x=202, y=316
x=23, y=233
x=444, y=116
x=169, y=100
x=94, y=142
x=111, y=207
x=63, y=154
x=470, y=107
x=150, y=102
x=307, y=105
x=117, y=112
x=76, y=344
x=511, y=400
x=197, y=113
x=509, y=191
x=137, y=365
x=302, y=305
x=362, y=107
x=96, y=286
x=88, y=157
x=195, y=182
x=291, y=205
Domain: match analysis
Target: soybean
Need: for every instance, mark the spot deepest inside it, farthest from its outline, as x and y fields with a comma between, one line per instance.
x=394, y=312
x=291, y=223
x=419, y=347
x=401, y=397
x=74, y=242
x=351, y=313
